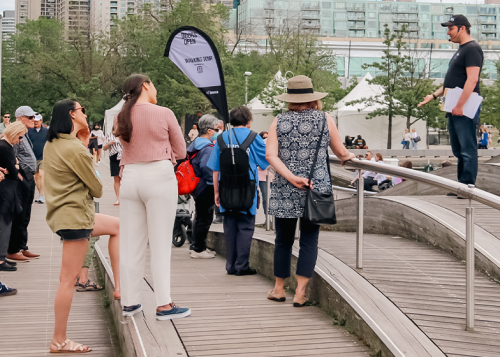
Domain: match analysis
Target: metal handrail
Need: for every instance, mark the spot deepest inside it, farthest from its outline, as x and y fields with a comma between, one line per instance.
x=466, y=191
x=463, y=190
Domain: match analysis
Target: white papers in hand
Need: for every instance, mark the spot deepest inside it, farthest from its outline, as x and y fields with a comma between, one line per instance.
x=470, y=107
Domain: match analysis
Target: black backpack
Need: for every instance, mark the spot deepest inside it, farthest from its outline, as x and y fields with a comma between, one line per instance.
x=236, y=188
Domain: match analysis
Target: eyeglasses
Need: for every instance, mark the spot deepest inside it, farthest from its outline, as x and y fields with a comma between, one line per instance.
x=82, y=108
x=31, y=117
x=216, y=130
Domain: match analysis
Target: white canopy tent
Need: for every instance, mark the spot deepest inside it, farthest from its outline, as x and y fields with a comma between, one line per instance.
x=351, y=121
x=109, y=116
x=263, y=115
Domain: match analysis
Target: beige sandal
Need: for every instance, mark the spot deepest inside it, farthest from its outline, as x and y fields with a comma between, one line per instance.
x=299, y=301
x=274, y=296
x=73, y=347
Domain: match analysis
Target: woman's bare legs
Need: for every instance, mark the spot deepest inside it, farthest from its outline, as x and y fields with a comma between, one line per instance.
x=107, y=225
x=279, y=285
x=301, y=285
x=99, y=151
x=72, y=260
x=116, y=185
x=94, y=155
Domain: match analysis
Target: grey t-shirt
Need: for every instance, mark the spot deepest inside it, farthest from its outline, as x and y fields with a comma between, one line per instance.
x=25, y=155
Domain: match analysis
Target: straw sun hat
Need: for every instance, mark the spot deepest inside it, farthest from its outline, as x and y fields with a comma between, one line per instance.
x=300, y=90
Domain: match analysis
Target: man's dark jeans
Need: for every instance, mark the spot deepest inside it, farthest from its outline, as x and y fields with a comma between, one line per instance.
x=464, y=146
x=19, y=232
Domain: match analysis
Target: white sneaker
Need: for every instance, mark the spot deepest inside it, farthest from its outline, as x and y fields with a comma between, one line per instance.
x=202, y=255
x=41, y=199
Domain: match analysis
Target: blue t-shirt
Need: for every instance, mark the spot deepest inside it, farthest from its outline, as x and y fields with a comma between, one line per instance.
x=256, y=157
x=484, y=139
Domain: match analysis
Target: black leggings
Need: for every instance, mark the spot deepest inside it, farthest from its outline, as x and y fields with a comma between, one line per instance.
x=204, y=204
x=308, y=253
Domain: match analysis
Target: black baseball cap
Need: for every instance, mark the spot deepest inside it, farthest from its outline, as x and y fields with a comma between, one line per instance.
x=457, y=20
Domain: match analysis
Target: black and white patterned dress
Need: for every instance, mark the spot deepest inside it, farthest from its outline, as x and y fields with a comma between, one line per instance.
x=298, y=135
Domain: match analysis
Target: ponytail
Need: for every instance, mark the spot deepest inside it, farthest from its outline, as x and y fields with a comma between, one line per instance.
x=133, y=89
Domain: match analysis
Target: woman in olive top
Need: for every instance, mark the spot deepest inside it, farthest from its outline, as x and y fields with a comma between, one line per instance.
x=71, y=183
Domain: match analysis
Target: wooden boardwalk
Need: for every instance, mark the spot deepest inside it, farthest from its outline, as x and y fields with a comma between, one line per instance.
x=429, y=287
x=27, y=319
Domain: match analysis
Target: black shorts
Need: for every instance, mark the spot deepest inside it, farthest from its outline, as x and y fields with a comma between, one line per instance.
x=99, y=146
x=93, y=144
x=74, y=234
x=114, y=165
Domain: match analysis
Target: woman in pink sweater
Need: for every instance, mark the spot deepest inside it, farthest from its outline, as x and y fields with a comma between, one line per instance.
x=152, y=142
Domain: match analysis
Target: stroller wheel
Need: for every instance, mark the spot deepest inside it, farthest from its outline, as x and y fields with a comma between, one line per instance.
x=179, y=239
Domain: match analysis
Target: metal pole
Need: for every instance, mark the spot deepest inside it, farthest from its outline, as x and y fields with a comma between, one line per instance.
x=246, y=90
x=268, y=188
x=96, y=205
x=359, y=230
x=469, y=253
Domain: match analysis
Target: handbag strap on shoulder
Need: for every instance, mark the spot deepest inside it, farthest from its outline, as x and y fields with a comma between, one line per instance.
x=317, y=150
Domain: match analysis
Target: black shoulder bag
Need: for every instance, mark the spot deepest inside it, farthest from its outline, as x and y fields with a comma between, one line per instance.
x=320, y=208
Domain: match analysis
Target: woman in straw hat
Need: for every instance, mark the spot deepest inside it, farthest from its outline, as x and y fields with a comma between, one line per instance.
x=291, y=147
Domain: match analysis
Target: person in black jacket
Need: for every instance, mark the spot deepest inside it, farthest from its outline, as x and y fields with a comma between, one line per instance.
x=203, y=194
x=9, y=202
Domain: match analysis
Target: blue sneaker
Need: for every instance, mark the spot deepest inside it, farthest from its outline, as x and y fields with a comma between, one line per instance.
x=6, y=291
x=131, y=310
x=174, y=313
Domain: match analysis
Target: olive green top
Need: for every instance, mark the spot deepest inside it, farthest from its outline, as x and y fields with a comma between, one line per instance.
x=70, y=184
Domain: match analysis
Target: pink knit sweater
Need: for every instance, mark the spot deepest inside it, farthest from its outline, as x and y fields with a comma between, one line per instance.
x=156, y=136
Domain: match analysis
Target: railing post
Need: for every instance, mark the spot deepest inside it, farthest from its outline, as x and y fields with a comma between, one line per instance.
x=359, y=230
x=268, y=188
x=96, y=205
x=470, y=269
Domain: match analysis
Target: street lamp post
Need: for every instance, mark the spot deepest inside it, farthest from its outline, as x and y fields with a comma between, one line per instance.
x=247, y=74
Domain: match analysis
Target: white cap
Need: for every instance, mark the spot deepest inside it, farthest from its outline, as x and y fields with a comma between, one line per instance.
x=38, y=117
x=25, y=111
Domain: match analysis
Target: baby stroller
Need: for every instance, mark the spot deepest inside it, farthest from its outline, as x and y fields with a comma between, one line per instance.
x=183, y=226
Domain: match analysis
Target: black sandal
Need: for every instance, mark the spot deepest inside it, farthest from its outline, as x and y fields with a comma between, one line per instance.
x=88, y=286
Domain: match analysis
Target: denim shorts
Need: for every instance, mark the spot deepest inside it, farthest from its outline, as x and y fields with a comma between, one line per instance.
x=74, y=234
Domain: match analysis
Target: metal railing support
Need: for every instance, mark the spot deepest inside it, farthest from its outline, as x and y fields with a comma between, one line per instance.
x=359, y=230
x=96, y=205
x=469, y=261
x=268, y=188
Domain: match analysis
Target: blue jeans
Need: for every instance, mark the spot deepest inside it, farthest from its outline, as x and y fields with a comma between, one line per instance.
x=406, y=145
x=308, y=252
x=464, y=146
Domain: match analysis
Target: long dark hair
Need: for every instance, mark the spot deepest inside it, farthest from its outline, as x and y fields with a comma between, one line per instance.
x=61, y=122
x=133, y=89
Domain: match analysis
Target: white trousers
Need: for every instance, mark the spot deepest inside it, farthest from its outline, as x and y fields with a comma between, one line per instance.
x=148, y=202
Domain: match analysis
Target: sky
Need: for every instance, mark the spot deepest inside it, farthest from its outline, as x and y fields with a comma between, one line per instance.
x=10, y=4
x=7, y=5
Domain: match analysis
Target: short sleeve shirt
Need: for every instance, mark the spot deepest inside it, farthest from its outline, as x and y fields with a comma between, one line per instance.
x=469, y=54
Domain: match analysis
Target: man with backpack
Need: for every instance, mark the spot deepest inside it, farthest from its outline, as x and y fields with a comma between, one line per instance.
x=199, y=153
x=234, y=161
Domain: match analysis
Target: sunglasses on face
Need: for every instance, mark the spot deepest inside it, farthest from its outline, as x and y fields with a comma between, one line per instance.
x=216, y=130
x=6, y=117
x=21, y=137
x=82, y=108
x=31, y=117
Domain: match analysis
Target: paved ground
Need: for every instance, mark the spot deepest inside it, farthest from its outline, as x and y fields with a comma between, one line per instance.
x=27, y=319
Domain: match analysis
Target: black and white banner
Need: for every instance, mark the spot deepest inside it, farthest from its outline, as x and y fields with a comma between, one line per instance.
x=196, y=56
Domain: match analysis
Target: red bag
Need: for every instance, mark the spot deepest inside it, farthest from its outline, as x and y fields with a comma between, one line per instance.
x=186, y=179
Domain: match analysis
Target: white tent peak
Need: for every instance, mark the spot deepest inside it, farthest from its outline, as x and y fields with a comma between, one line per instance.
x=256, y=104
x=110, y=114
x=362, y=90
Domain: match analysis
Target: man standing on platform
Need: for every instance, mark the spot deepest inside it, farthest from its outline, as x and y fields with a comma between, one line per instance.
x=18, y=245
x=463, y=72
x=38, y=137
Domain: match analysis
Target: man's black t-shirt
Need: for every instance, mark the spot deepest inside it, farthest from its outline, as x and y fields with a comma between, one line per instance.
x=469, y=54
x=360, y=142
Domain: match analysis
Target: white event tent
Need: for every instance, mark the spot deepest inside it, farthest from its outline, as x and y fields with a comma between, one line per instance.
x=263, y=115
x=351, y=121
x=110, y=114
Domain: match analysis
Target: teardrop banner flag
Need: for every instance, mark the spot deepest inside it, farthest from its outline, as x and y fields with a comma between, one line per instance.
x=194, y=52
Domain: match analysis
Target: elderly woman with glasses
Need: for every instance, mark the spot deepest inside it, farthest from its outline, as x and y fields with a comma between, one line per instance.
x=199, y=151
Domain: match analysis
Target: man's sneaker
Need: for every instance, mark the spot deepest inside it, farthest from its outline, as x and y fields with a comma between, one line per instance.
x=202, y=255
x=5, y=266
x=28, y=254
x=17, y=257
x=6, y=291
x=41, y=199
x=131, y=310
x=174, y=313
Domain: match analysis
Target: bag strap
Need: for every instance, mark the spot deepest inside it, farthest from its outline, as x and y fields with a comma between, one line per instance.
x=246, y=144
x=220, y=141
x=317, y=150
